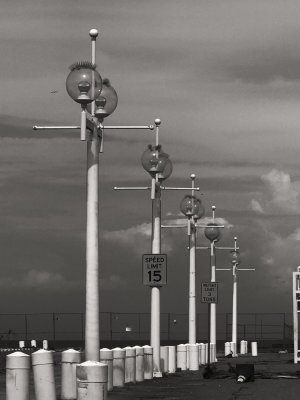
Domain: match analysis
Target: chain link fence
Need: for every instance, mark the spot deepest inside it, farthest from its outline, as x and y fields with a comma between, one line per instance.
x=136, y=326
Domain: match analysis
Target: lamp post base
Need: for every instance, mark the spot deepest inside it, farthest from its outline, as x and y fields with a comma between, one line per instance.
x=157, y=374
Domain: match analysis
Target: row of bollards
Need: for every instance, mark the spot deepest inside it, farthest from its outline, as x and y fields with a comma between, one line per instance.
x=230, y=348
x=89, y=380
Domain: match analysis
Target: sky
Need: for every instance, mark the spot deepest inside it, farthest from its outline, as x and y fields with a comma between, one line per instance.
x=224, y=78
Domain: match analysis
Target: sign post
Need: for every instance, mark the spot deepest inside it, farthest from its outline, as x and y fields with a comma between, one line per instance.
x=209, y=295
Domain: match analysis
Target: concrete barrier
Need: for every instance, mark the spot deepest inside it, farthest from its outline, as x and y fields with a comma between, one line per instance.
x=227, y=349
x=202, y=356
x=181, y=357
x=254, y=349
x=172, y=360
x=106, y=357
x=91, y=381
x=130, y=367
x=118, y=367
x=164, y=359
x=148, y=362
x=193, y=350
x=17, y=376
x=139, y=363
x=69, y=359
x=43, y=375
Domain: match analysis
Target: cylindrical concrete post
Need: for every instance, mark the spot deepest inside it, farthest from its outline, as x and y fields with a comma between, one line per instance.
x=181, y=357
x=206, y=353
x=21, y=344
x=202, y=358
x=139, y=363
x=118, y=367
x=69, y=359
x=33, y=343
x=242, y=347
x=91, y=380
x=246, y=346
x=172, y=360
x=193, y=350
x=164, y=359
x=227, y=349
x=43, y=375
x=130, y=367
x=254, y=349
x=148, y=362
x=233, y=349
x=17, y=376
x=213, y=353
x=187, y=356
x=106, y=357
x=45, y=344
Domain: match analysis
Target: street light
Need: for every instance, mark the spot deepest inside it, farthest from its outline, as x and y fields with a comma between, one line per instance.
x=98, y=100
x=159, y=166
x=235, y=261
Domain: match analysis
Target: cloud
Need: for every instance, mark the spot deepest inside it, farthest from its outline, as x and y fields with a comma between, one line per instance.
x=281, y=194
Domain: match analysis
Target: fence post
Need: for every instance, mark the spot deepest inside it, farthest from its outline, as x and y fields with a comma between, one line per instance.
x=226, y=327
x=169, y=333
x=110, y=325
x=53, y=327
x=26, y=328
x=283, y=333
x=82, y=325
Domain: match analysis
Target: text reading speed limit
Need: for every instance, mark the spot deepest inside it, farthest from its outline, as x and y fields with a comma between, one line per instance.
x=154, y=269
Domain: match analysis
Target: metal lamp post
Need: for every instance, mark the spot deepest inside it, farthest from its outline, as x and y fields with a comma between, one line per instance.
x=159, y=166
x=236, y=260
x=98, y=99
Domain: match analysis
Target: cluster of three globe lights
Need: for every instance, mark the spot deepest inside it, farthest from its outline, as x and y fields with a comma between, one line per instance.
x=192, y=207
x=85, y=85
x=156, y=162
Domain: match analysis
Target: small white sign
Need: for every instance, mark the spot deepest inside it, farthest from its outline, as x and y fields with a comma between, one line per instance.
x=209, y=292
x=154, y=269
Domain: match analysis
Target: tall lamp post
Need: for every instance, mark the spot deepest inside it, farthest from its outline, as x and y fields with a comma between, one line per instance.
x=236, y=260
x=98, y=99
x=159, y=166
x=193, y=209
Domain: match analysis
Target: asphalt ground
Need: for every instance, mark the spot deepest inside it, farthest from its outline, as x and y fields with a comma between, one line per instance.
x=275, y=377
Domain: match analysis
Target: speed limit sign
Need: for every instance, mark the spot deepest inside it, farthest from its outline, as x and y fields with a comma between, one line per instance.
x=154, y=269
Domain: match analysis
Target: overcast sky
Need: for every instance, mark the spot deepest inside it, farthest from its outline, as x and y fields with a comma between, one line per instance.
x=223, y=76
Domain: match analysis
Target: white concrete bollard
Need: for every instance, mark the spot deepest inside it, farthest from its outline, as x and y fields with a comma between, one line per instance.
x=43, y=375
x=69, y=359
x=118, y=367
x=164, y=359
x=45, y=344
x=139, y=363
x=233, y=349
x=106, y=357
x=33, y=343
x=187, y=355
x=130, y=367
x=227, y=350
x=246, y=346
x=172, y=360
x=181, y=357
x=21, y=344
x=202, y=357
x=193, y=350
x=242, y=347
x=213, y=353
x=206, y=353
x=148, y=362
x=17, y=376
x=91, y=380
x=254, y=348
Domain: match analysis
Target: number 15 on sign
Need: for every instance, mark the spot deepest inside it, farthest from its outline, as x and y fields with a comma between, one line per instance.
x=155, y=269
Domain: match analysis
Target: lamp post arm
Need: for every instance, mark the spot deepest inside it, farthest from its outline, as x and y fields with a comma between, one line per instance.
x=179, y=188
x=132, y=188
x=227, y=248
x=150, y=127
x=173, y=226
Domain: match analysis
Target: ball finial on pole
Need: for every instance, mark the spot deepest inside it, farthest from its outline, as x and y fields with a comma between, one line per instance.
x=93, y=34
x=193, y=176
x=157, y=121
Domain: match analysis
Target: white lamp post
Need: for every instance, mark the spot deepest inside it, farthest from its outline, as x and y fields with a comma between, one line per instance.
x=236, y=259
x=98, y=100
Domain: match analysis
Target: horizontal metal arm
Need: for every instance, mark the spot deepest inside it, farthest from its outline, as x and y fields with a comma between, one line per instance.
x=227, y=248
x=246, y=269
x=132, y=188
x=202, y=248
x=178, y=188
x=223, y=269
x=209, y=226
x=173, y=226
x=151, y=127
x=36, y=127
